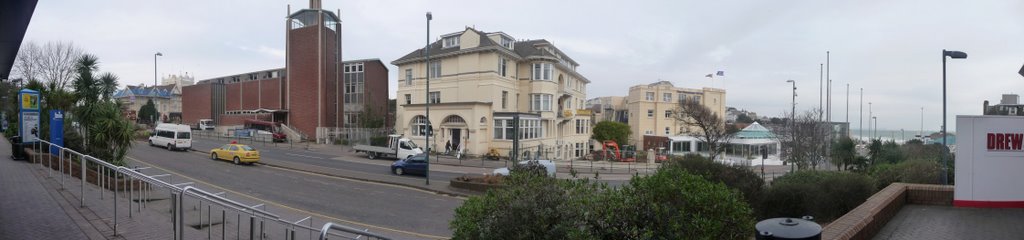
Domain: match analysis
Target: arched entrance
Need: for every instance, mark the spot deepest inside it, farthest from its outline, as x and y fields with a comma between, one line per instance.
x=456, y=129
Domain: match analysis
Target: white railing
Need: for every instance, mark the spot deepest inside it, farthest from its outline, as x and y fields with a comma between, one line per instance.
x=141, y=188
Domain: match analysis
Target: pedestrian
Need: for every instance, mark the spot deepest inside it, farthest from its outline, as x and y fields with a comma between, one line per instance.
x=447, y=146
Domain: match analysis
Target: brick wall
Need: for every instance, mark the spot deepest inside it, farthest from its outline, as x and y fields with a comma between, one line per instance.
x=195, y=103
x=305, y=101
x=376, y=87
x=231, y=97
x=871, y=216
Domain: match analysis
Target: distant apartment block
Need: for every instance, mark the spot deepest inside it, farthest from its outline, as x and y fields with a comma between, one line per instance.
x=479, y=81
x=1009, y=105
x=649, y=108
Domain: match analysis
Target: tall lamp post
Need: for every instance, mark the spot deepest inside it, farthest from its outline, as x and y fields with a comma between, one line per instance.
x=430, y=125
x=792, y=122
x=876, y=126
x=157, y=54
x=945, y=157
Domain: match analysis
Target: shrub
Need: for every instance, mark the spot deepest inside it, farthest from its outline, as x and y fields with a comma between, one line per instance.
x=670, y=204
x=673, y=204
x=740, y=178
x=912, y=171
x=824, y=195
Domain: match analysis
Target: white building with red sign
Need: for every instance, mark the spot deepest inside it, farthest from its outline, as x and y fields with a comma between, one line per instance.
x=990, y=162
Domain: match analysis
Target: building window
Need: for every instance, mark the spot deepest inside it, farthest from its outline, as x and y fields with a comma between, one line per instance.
x=582, y=126
x=504, y=99
x=682, y=98
x=452, y=41
x=434, y=70
x=649, y=96
x=666, y=97
x=408, y=77
x=434, y=97
x=696, y=99
x=354, y=83
x=668, y=113
x=649, y=132
x=540, y=102
x=579, y=150
x=408, y=99
x=419, y=126
x=507, y=42
x=503, y=67
x=542, y=71
x=650, y=113
x=666, y=131
x=528, y=129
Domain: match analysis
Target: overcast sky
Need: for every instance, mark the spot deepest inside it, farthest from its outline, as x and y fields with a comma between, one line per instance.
x=892, y=49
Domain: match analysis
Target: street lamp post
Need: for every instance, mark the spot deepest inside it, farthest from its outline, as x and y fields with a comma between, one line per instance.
x=870, y=135
x=792, y=123
x=860, y=118
x=430, y=127
x=157, y=54
x=920, y=133
x=945, y=161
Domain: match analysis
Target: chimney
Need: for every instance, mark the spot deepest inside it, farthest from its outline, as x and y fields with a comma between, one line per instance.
x=984, y=108
x=314, y=4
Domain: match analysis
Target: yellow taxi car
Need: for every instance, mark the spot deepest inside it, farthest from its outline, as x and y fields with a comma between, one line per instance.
x=236, y=153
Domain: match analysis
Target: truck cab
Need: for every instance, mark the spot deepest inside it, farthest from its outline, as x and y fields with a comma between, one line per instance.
x=403, y=146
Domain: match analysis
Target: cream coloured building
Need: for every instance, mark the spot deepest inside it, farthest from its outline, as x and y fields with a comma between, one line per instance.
x=648, y=108
x=479, y=80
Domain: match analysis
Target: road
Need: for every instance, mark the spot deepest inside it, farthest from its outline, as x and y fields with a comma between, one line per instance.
x=320, y=160
x=372, y=204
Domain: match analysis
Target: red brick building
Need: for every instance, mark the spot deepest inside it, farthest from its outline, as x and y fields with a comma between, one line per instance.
x=314, y=93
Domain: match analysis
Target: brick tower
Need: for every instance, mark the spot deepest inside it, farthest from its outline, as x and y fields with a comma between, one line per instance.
x=313, y=57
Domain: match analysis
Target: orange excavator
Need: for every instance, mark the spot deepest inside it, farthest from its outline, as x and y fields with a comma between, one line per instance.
x=610, y=151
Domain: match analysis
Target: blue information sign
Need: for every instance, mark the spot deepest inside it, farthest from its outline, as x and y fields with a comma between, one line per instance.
x=56, y=129
x=28, y=115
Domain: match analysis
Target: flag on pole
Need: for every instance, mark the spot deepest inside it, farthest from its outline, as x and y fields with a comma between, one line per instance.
x=709, y=76
x=720, y=73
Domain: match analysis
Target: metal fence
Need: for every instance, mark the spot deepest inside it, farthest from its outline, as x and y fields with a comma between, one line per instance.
x=190, y=207
x=351, y=136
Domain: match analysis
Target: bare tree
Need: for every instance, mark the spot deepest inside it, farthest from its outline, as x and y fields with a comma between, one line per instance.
x=27, y=63
x=57, y=63
x=803, y=139
x=699, y=121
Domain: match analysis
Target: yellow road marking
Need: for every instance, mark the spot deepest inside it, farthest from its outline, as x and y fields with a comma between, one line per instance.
x=288, y=207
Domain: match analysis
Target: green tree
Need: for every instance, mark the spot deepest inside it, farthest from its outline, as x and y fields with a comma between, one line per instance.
x=743, y=118
x=111, y=133
x=147, y=113
x=844, y=153
x=108, y=85
x=826, y=195
x=740, y=178
x=611, y=130
x=875, y=150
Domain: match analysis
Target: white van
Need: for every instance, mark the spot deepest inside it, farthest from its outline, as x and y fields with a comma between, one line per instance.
x=205, y=124
x=173, y=136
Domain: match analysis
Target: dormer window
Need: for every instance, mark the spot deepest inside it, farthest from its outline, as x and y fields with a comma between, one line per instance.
x=452, y=41
x=507, y=42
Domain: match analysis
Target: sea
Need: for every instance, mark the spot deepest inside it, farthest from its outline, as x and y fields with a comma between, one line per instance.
x=898, y=135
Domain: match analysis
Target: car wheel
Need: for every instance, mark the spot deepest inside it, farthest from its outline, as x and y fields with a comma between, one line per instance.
x=169, y=147
x=151, y=143
x=213, y=156
x=371, y=155
x=399, y=171
x=237, y=161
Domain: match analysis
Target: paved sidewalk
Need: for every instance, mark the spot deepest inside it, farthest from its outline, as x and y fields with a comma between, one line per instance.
x=27, y=208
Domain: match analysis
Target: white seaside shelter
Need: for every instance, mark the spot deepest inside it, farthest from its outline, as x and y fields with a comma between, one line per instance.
x=742, y=149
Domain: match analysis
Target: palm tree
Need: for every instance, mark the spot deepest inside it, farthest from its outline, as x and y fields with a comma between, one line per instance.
x=85, y=84
x=108, y=84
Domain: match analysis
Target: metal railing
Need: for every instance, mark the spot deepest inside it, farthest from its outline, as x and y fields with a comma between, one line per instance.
x=142, y=186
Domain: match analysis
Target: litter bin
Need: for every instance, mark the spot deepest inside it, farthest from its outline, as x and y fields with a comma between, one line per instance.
x=788, y=228
x=17, y=148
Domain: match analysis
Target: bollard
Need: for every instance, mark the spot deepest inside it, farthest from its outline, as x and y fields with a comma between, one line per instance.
x=131, y=194
x=209, y=223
